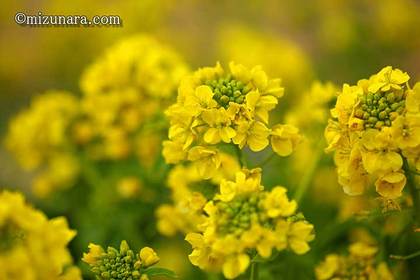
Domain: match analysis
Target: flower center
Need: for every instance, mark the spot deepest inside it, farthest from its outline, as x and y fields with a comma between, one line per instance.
x=10, y=235
x=115, y=265
x=227, y=89
x=380, y=109
x=238, y=215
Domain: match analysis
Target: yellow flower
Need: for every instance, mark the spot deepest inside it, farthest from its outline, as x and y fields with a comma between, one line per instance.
x=185, y=213
x=139, y=61
x=351, y=174
x=284, y=139
x=406, y=131
x=202, y=98
x=391, y=185
x=95, y=252
x=379, y=162
x=148, y=256
x=173, y=151
x=376, y=121
x=219, y=126
x=217, y=105
x=359, y=264
x=37, y=137
x=121, y=263
x=254, y=134
x=235, y=265
x=300, y=233
x=362, y=250
x=31, y=246
x=413, y=100
x=277, y=204
x=243, y=217
x=327, y=268
x=207, y=160
x=388, y=79
x=124, y=93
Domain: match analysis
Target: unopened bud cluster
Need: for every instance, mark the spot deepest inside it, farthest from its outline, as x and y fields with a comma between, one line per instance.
x=123, y=264
x=381, y=108
x=227, y=89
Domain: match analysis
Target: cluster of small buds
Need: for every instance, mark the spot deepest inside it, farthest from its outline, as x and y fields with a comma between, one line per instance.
x=227, y=89
x=238, y=216
x=123, y=264
x=380, y=109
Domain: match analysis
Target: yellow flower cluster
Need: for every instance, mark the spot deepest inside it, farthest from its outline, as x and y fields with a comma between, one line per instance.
x=118, y=115
x=242, y=218
x=189, y=194
x=216, y=106
x=122, y=264
x=375, y=127
x=31, y=246
x=38, y=139
x=359, y=264
x=124, y=92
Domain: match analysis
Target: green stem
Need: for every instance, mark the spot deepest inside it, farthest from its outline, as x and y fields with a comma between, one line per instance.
x=254, y=271
x=413, y=255
x=414, y=172
x=266, y=160
x=307, y=178
x=413, y=191
x=241, y=156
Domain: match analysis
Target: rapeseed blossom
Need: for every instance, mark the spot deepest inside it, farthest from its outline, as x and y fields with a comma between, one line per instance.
x=359, y=264
x=122, y=263
x=374, y=128
x=38, y=138
x=124, y=92
x=31, y=245
x=189, y=194
x=241, y=218
x=220, y=106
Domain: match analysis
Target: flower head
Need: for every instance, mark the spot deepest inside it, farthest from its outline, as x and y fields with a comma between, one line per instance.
x=31, y=246
x=359, y=264
x=124, y=92
x=375, y=126
x=217, y=105
x=37, y=137
x=120, y=264
x=241, y=217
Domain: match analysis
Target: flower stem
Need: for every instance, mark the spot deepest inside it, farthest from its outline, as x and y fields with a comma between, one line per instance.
x=254, y=271
x=413, y=255
x=266, y=160
x=307, y=178
x=413, y=191
x=241, y=156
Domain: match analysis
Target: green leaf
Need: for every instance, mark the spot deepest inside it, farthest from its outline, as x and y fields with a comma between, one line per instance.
x=159, y=271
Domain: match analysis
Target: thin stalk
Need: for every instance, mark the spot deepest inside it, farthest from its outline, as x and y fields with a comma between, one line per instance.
x=307, y=178
x=266, y=160
x=403, y=258
x=413, y=191
x=254, y=271
x=241, y=156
